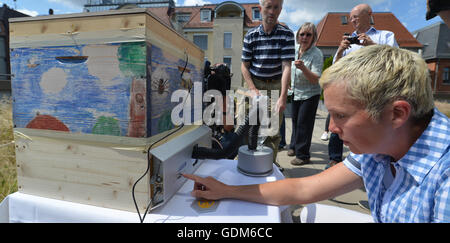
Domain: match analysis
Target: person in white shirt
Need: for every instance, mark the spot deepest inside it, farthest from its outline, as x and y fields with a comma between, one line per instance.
x=367, y=35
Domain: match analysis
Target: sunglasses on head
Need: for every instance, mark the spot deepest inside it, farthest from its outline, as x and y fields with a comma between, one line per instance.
x=307, y=34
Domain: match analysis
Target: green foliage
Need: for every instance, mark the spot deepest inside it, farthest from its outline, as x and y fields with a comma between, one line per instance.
x=326, y=64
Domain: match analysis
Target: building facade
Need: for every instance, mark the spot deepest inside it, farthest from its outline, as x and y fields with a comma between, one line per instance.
x=219, y=30
x=436, y=52
x=105, y=5
x=5, y=68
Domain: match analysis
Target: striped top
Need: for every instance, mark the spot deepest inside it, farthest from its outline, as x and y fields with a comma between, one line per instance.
x=265, y=52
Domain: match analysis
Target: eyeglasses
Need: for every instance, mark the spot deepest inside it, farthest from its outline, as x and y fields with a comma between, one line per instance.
x=307, y=34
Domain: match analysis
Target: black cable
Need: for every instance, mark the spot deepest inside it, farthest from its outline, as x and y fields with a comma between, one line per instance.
x=145, y=173
x=142, y=218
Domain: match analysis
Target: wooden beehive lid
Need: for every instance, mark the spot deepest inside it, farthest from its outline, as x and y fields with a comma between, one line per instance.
x=83, y=15
x=125, y=25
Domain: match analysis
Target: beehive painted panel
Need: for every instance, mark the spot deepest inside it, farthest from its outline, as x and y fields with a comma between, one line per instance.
x=120, y=89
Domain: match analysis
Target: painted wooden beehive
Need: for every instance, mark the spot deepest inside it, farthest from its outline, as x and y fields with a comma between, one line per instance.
x=109, y=73
x=91, y=92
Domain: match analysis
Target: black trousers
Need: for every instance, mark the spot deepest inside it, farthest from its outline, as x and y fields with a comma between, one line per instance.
x=303, y=118
x=335, y=147
x=335, y=144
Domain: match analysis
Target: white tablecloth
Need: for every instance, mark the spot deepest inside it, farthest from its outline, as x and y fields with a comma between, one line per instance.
x=19, y=207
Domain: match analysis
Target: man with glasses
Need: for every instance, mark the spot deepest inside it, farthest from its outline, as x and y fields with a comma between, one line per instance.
x=366, y=35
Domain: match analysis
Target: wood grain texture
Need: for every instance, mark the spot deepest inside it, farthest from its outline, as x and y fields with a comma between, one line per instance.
x=90, y=94
x=98, y=170
x=95, y=173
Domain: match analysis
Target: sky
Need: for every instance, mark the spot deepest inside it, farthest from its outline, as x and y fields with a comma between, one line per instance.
x=411, y=13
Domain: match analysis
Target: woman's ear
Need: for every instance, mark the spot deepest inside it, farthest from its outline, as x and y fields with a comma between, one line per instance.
x=401, y=112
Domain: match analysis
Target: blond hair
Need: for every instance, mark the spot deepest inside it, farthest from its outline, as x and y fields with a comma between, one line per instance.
x=308, y=26
x=380, y=74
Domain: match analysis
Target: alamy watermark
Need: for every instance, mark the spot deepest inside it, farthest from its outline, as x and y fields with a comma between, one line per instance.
x=193, y=114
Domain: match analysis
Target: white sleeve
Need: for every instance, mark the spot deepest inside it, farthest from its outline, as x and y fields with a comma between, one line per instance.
x=353, y=165
x=390, y=39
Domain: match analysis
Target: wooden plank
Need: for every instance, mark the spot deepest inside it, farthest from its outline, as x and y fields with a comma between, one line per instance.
x=79, y=193
x=98, y=170
x=81, y=15
x=91, y=173
x=73, y=26
x=78, y=31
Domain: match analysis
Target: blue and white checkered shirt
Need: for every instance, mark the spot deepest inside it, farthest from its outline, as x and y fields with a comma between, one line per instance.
x=420, y=190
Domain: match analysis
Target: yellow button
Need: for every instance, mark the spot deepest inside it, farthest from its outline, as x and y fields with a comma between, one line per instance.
x=205, y=204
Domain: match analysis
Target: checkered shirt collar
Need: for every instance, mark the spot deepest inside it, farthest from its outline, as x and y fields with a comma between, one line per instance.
x=429, y=148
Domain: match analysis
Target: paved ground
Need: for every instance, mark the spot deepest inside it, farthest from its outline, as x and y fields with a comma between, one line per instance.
x=319, y=159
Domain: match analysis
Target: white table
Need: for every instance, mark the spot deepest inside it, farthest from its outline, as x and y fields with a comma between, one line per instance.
x=19, y=207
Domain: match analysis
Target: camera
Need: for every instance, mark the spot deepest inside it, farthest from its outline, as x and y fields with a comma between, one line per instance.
x=353, y=40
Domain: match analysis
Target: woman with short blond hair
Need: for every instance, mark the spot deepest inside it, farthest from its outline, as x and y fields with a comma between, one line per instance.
x=381, y=105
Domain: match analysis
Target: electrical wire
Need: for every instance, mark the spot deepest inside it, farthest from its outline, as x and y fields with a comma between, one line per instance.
x=142, y=218
x=217, y=141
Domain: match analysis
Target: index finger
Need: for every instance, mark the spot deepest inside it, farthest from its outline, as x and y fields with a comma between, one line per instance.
x=192, y=177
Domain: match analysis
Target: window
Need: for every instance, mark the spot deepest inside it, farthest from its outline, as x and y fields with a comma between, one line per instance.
x=201, y=41
x=446, y=76
x=227, y=36
x=205, y=15
x=256, y=15
x=344, y=20
x=183, y=18
x=227, y=60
